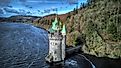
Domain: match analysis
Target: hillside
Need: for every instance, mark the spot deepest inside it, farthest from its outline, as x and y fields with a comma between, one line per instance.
x=100, y=25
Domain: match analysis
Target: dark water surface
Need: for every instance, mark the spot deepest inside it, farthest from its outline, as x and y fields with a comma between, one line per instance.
x=103, y=62
x=22, y=46
x=25, y=46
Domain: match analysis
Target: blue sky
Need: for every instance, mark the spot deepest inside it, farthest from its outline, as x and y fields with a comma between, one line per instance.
x=37, y=7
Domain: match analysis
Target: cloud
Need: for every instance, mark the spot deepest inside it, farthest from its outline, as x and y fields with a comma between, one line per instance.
x=28, y=12
x=62, y=1
x=1, y=11
x=10, y=6
x=4, y=3
x=72, y=1
x=54, y=9
x=38, y=10
x=28, y=6
x=9, y=10
x=42, y=13
x=49, y=1
x=22, y=0
x=20, y=11
x=47, y=11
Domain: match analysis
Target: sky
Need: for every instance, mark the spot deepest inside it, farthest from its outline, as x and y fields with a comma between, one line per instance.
x=37, y=7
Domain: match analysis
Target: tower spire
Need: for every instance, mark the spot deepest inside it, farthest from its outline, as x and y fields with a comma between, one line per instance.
x=54, y=25
x=63, y=30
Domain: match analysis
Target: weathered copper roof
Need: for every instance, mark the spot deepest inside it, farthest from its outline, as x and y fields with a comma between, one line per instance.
x=56, y=25
x=63, y=30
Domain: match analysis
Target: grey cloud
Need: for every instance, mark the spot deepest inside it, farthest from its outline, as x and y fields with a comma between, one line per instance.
x=72, y=1
x=21, y=11
x=28, y=12
x=42, y=12
x=38, y=10
x=4, y=3
x=11, y=10
x=28, y=6
x=63, y=1
x=1, y=11
x=10, y=6
x=54, y=9
x=47, y=11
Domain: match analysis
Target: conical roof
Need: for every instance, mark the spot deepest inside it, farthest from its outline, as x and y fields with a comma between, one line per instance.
x=63, y=30
x=54, y=24
x=57, y=26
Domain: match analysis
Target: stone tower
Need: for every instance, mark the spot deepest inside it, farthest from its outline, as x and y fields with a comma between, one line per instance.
x=63, y=41
x=57, y=42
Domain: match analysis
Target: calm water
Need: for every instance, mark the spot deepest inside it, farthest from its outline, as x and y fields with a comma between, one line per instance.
x=25, y=46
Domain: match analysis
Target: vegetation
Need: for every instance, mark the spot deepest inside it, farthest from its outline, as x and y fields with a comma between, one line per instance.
x=102, y=28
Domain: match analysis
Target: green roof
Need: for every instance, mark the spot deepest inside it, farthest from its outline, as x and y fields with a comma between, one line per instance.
x=60, y=24
x=63, y=30
x=54, y=24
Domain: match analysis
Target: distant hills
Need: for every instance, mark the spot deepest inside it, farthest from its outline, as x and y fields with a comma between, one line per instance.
x=19, y=18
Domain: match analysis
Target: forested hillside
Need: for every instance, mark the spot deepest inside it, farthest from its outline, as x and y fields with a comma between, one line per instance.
x=100, y=25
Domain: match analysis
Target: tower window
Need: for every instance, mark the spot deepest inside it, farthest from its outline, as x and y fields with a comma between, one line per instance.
x=55, y=52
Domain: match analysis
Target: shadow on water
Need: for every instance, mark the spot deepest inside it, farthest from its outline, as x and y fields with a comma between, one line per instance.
x=103, y=62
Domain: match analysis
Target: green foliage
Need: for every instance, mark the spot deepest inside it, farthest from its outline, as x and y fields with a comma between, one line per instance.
x=102, y=29
x=75, y=11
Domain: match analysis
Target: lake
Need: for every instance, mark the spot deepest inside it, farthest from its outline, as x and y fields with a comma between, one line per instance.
x=26, y=46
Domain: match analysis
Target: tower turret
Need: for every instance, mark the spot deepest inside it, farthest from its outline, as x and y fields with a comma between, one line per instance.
x=56, y=42
x=63, y=32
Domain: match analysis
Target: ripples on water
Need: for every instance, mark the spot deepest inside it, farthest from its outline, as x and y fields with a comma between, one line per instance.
x=25, y=46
